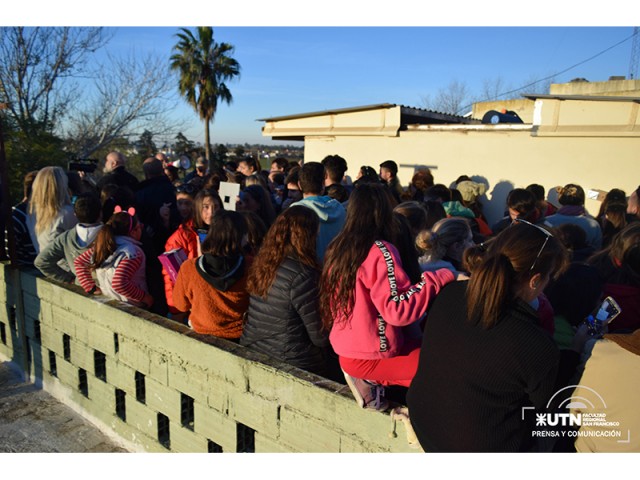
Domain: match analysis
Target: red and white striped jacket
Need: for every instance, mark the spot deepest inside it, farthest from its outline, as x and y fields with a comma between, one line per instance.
x=121, y=276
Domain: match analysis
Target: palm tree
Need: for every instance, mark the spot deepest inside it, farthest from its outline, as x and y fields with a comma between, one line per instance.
x=204, y=66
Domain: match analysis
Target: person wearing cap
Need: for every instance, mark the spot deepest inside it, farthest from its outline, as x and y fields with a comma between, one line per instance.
x=199, y=171
x=470, y=191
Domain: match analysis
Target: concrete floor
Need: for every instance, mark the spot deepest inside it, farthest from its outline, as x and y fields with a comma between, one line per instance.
x=32, y=421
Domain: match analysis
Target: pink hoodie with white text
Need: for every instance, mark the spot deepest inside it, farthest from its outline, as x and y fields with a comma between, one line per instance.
x=385, y=300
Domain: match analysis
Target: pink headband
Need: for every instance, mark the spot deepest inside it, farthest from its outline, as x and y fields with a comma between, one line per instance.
x=131, y=211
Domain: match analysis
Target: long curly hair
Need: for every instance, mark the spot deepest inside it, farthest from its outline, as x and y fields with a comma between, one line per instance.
x=369, y=218
x=294, y=233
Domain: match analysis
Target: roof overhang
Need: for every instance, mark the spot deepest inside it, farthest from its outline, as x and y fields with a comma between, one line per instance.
x=382, y=119
x=590, y=98
x=586, y=116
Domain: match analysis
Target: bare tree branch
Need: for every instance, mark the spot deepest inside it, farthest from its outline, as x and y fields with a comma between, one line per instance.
x=34, y=64
x=130, y=97
x=450, y=99
x=492, y=89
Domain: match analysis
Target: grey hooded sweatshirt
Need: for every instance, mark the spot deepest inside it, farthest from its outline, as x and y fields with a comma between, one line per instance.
x=56, y=259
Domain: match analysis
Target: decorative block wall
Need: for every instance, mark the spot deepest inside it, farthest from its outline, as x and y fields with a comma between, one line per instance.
x=161, y=387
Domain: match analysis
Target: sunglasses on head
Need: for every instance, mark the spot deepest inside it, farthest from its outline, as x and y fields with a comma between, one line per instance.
x=546, y=233
x=186, y=188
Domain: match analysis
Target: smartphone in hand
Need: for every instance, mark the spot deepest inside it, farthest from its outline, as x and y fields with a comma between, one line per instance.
x=602, y=316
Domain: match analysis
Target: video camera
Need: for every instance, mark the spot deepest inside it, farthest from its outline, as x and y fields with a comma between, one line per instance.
x=87, y=165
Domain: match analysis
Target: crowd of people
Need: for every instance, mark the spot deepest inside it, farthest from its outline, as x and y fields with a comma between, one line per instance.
x=364, y=281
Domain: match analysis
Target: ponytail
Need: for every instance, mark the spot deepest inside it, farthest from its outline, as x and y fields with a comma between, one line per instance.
x=427, y=242
x=442, y=236
x=513, y=257
x=120, y=223
x=490, y=289
x=103, y=246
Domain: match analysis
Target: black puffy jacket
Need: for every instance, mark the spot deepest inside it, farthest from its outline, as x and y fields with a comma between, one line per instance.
x=286, y=325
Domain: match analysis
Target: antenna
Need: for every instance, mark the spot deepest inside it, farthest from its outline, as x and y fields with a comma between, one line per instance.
x=635, y=54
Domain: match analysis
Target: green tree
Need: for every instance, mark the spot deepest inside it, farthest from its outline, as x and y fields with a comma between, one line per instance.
x=204, y=66
x=182, y=145
x=221, y=153
x=145, y=144
x=30, y=152
x=38, y=68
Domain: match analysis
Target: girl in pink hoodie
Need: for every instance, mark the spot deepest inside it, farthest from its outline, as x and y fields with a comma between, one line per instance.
x=369, y=302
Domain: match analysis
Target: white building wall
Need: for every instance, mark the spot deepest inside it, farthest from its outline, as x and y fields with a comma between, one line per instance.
x=503, y=159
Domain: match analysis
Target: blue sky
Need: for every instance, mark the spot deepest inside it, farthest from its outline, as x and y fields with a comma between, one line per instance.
x=303, y=69
x=291, y=69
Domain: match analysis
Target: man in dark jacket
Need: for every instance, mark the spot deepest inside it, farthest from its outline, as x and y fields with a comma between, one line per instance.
x=116, y=172
x=157, y=209
x=389, y=175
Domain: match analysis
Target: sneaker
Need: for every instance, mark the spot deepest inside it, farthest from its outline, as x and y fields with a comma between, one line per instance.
x=368, y=394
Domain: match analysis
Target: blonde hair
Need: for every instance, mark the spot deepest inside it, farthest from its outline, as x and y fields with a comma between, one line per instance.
x=443, y=234
x=255, y=179
x=49, y=194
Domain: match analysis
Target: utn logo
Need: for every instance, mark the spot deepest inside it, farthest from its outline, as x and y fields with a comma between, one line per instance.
x=558, y=419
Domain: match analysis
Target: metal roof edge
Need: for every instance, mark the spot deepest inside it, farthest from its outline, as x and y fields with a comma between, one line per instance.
x=404, y=110
x=471, y=127
x=328, y=112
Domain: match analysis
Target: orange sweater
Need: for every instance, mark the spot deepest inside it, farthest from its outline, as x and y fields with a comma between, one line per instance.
x=213, y=312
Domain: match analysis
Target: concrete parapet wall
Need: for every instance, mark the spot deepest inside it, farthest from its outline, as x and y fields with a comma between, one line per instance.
x=161, y=387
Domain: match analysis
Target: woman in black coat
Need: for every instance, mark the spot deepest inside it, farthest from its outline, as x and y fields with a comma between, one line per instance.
x=485, y=359
x=283, y=320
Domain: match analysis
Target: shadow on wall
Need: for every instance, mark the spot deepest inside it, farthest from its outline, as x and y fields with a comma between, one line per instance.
x=32, y=316
x=22, y=331
x=498, y=200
